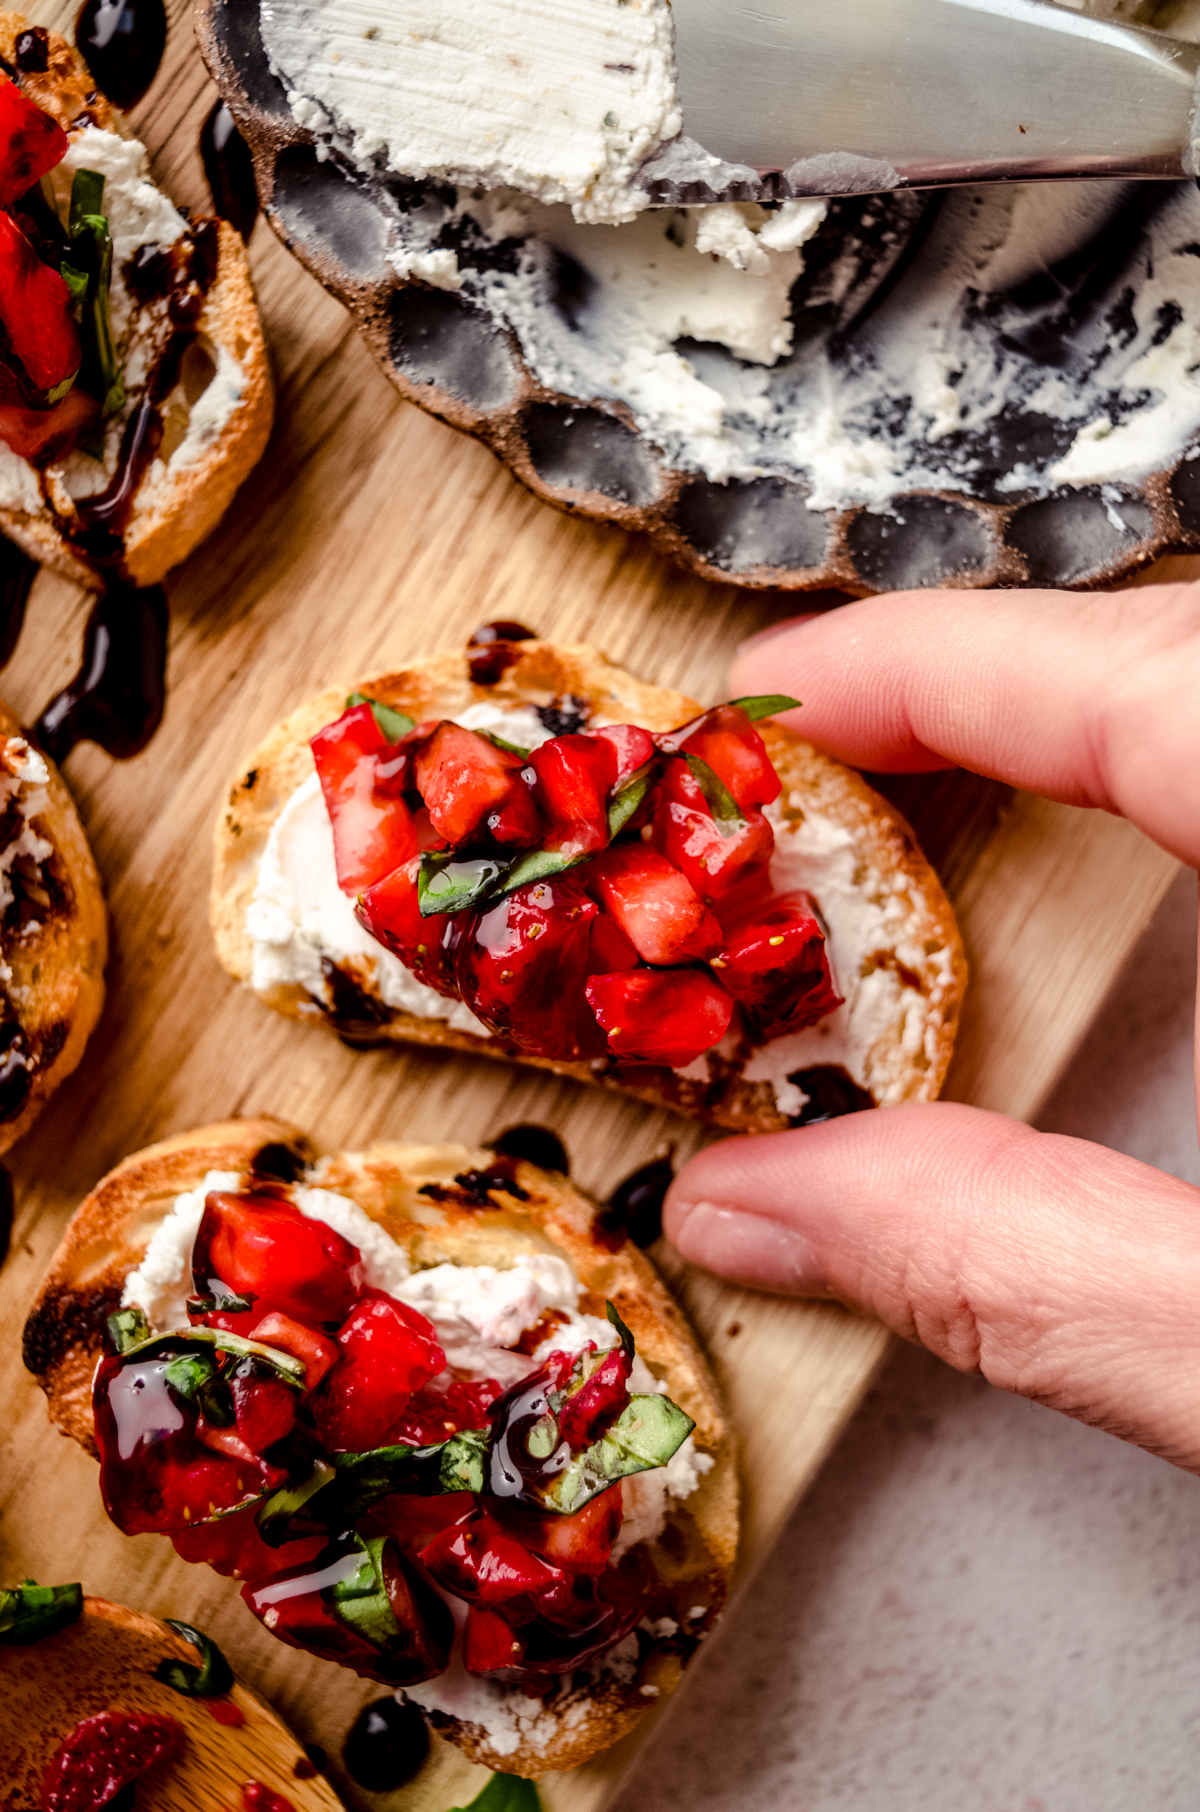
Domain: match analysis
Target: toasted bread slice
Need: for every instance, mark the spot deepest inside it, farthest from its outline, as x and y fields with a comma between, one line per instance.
x=415, y=1194
x=217, y=417
x=53, y=932
x=902, y=1001
x=105, y=1661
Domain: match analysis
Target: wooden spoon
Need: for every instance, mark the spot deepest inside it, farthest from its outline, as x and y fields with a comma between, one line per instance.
x=106, y=1662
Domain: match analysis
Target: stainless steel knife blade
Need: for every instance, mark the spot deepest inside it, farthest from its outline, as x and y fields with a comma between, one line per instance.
x=786, y=98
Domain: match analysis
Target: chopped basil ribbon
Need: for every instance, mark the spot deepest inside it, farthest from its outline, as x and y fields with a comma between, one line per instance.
x=290, y=1370
x=648, y=1431
x=222, y=1299
x=128, y=1328
x=498, y=742
x=342, y=1486
x=361, y=1602
x=88, y=276
x=610, y=1309
x=444, y=885
x=625, y=802
x=765, y=704
x=30, y=1611
x=505, y=1793
x=727, y=813
x=391, y=723
x=212, y=1679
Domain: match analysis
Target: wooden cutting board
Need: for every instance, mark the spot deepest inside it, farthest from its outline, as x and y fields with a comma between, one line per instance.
x=372, y=534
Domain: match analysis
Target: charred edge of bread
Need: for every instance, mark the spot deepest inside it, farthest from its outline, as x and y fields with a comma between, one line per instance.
x=162, y=529
x=417, y=1194
x=57, y=988
x=440, y=686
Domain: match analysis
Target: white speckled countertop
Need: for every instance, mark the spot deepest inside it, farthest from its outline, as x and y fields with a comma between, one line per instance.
x=980, y=1606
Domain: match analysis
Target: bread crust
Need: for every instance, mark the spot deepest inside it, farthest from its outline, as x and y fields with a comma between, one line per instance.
x=56, y=957
x=904, y=1065
x=174, y=508
x=112, y=1227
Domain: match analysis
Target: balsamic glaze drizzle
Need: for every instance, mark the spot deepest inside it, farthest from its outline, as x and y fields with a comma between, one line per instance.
x=116, y=698
x=122, y=42
x=6, y=1212
x=229, y=168
x=536, y=1144
x=17, y=573
x=634, y=1208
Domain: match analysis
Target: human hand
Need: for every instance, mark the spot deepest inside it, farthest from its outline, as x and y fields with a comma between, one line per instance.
x=1058, y=1269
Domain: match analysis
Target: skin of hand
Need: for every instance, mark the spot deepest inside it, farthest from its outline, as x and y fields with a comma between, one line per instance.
x=1056, y=1268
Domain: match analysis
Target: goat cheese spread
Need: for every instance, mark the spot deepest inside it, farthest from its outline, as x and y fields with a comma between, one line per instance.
x=479, y=1311
x=561, y=99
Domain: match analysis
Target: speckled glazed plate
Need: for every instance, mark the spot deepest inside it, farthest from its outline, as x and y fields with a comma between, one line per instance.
x=992, y=387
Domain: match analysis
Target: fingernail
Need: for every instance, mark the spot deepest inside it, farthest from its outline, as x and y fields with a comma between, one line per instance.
x=747, y=1248
x=773, y=629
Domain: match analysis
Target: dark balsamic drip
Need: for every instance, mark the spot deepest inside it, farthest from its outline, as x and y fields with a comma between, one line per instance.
x=502, y=630
x=634, y=1209
x=32, y=50
x=513, y=1469
x=149, y=272
x=229, y=168
x=6, y=1212
x=355, y=1015
x=537, y=1145
x=122, y=42
x=831, y=1091
x=491, y=649
x=564, y=716
x=386, y=1746
x=17, y=573
x=277, y=1161
x=116, y=698
x=193, y=280
x=16, y=1066
x=101, y=518
x=472, y=1188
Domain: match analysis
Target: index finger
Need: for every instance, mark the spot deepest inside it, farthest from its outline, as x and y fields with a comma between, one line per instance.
x=1089, y=699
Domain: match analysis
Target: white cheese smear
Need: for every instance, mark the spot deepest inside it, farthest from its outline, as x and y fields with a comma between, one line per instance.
x=561, y=99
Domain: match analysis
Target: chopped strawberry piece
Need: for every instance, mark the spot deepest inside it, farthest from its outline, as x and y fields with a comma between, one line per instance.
x=489, y=1644
x=47, y=434
x=363, y=777
x=466, y=781
x=656, y=907
x=579, y=1543
x=315, y=1352
x=522, y=967
x=717, y=859
x=445, y=1407
x=588, y=1411
x=413, y=1520
x=611, y=949
x=574, y=776
x=391, y=912
x=726, y=739
x=264, y=1407
x=478, y=1562
x=31, y=143
x=233, y=1547
x=35, y=307
x=777, y=966
x=633, y=747
x=660, y=1016
x=262, y=1247
x=388, y=1352
x=106, y=1753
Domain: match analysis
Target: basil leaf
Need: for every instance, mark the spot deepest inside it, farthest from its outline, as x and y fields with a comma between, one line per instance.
x=444, y=885
x=290, y=1370
x=727, y=813
x=505, y=1793
x=221, y=1299
x=765, y=705
x=128, y=1328
x=87, y=198
x=625, y=803
x=276, y=1515
x=648, y=1431
x=536, y=865
x=510, y=748
x=91, y=259
x=76, y=281
x=190, y=1372
x=463, y=1460
x=610, y=1310
x=211, y=1680
x=30, y=1611
x=393, y=724
x=344, y=1485
x=361, y=1602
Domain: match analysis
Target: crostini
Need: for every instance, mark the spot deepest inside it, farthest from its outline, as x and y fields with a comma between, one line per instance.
x=523, y=851
x=447, y=1427
x=135, y=393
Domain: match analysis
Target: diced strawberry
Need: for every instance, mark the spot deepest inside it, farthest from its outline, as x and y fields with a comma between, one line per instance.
x=656, y=907
x=49, y=434
x=262, y=1247
x=414, y=1520
x=264, y=1408
x=478, y=1562
x=521, y=968
x=424, y=1617
x=445, y=1407
x=363, y=777
x=489, y=1644
x=633, y=746
x=315, y=1352
x=611, y=949
x=391, y=912
x=726, y=739
x=106, y=1753
x=466, y=781
x=31, y=143
x=233, y=1547
x=574, y=776
x=716, y=859
x=660, y=1015
x=388, y=1352
x=588, y=1411
x=579, y=1543
x=35, y=307
x=776, y=965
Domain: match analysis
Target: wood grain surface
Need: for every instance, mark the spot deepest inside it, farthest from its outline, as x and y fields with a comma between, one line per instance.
x=372, y=534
